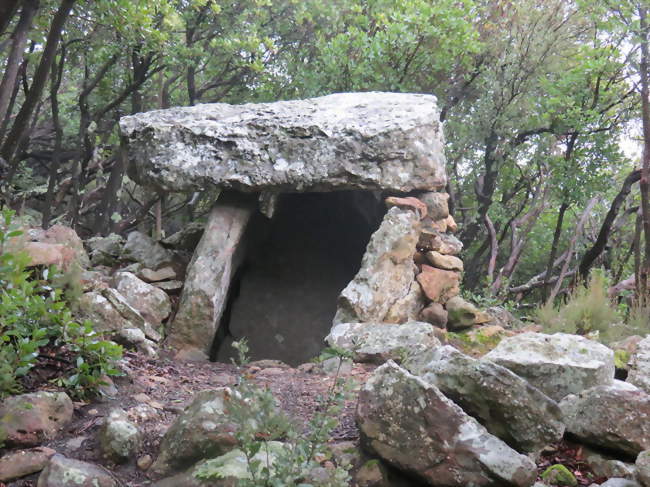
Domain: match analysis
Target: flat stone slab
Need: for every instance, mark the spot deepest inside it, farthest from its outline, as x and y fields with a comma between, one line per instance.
x=389, y=141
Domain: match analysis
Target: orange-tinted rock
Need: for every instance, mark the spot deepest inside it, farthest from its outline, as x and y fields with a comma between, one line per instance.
x=439, y=285
x=409, y=202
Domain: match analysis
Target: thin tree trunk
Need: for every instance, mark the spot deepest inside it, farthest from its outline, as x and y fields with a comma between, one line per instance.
x=601, y=241
x=572, y=244
x=19, y=41
x=38, y=84
x=8, y=9
x=556, y=239
x=494, y=247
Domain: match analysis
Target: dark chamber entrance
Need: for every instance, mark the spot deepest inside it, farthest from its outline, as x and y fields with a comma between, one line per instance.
x=283, y=298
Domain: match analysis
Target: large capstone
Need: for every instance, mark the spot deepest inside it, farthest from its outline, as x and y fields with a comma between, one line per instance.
x=390, y=141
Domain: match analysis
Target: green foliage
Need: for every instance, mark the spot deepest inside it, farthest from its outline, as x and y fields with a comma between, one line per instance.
x=588, y=310
x=34, y=316
x=254, y=412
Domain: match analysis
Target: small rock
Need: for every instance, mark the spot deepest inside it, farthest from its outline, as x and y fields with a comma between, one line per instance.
x=203, y=430
x=372, y=474
x=463, y=314
x=500, y=316
x=639, y=373
x=439, y=285
x=152, y=303
x=105, y=250
x=437, y=204
x=446, y=262
x=379, y=342
x=435, y=314
x=169, y=286
x=143, y=249
x=30, y=419
x=162, y=274
x=620, y=483
x=607, y=466
x=17, y=464
x=409, y=203
x=559, y=475
x=558, y=364
x=452, y=226
x=333, y=365
x=119, y=438
x=144, y=462
x=66, y=472
x=187, y=238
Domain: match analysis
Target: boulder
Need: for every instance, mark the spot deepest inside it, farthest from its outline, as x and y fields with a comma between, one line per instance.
x=143, y=249
x=449, y=245
x=130, y=314
x=558, y=364
x=521, y=415
x=463, y=314
x=446, y=262
x=639, y=369
x=607, y=466
x=379, y=342
x=609, y=416
x=439, y=285
x=378, y=141
x=66, y=472
x=19, y=463
x=435, y=314
x=105, y=250
x=643, y=468
x=414, y=427
x=384, y=290
x=134, y=338
x=95, y=307
x=119, y=437
x=52, y=238
x=203, y=430
x=152, y=303
x=213, y=265
x=30, y=419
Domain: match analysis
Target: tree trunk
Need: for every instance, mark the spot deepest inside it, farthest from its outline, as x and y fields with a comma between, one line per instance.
x=19, y=41
x=8, y=9
x=556, y=239
x=38, y=84
x=643, y=289
x=601, y=241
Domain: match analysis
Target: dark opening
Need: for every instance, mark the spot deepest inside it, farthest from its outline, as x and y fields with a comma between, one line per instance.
x=283, y=298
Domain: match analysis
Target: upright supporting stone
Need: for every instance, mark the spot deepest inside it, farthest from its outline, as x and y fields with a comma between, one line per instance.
x=209, y=274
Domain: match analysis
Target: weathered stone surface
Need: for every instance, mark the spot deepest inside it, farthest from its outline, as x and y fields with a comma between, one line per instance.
x=134, y=338
x=643, y=468
x=617, y=482
x=558, y=364
x=341, y=141
x=152, y=303
x=439, y=285
x=201, y=431
x=503, y=318
x=47, y=254
x=379, y=342
x=61, y=235
x=609, y=416
x=437, y=204
x=187, y=238
x=452, y=226
x=16, y=464
x=30, y=419
x=386, y=275
x=639, y=372
x=66, y=472
x=436, y=314
x=231, y=468
x=95, y=307
x=446, y=262
x=463, y=314
x=209, y=274
x=413, y=426
x=521, y=415
x=162, y=274
x=607, y=466
x=169, y=286
x=143, y=249
x=409, y=202
x=449, y=245
x=105, y=250
x=119, y=437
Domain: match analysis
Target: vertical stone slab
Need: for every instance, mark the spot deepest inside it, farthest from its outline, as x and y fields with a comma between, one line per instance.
x=384, y=289
x=209, y=274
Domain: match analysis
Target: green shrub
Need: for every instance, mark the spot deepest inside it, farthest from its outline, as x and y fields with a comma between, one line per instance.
x=587, y=311
x=253, y=410
x=34, y=316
